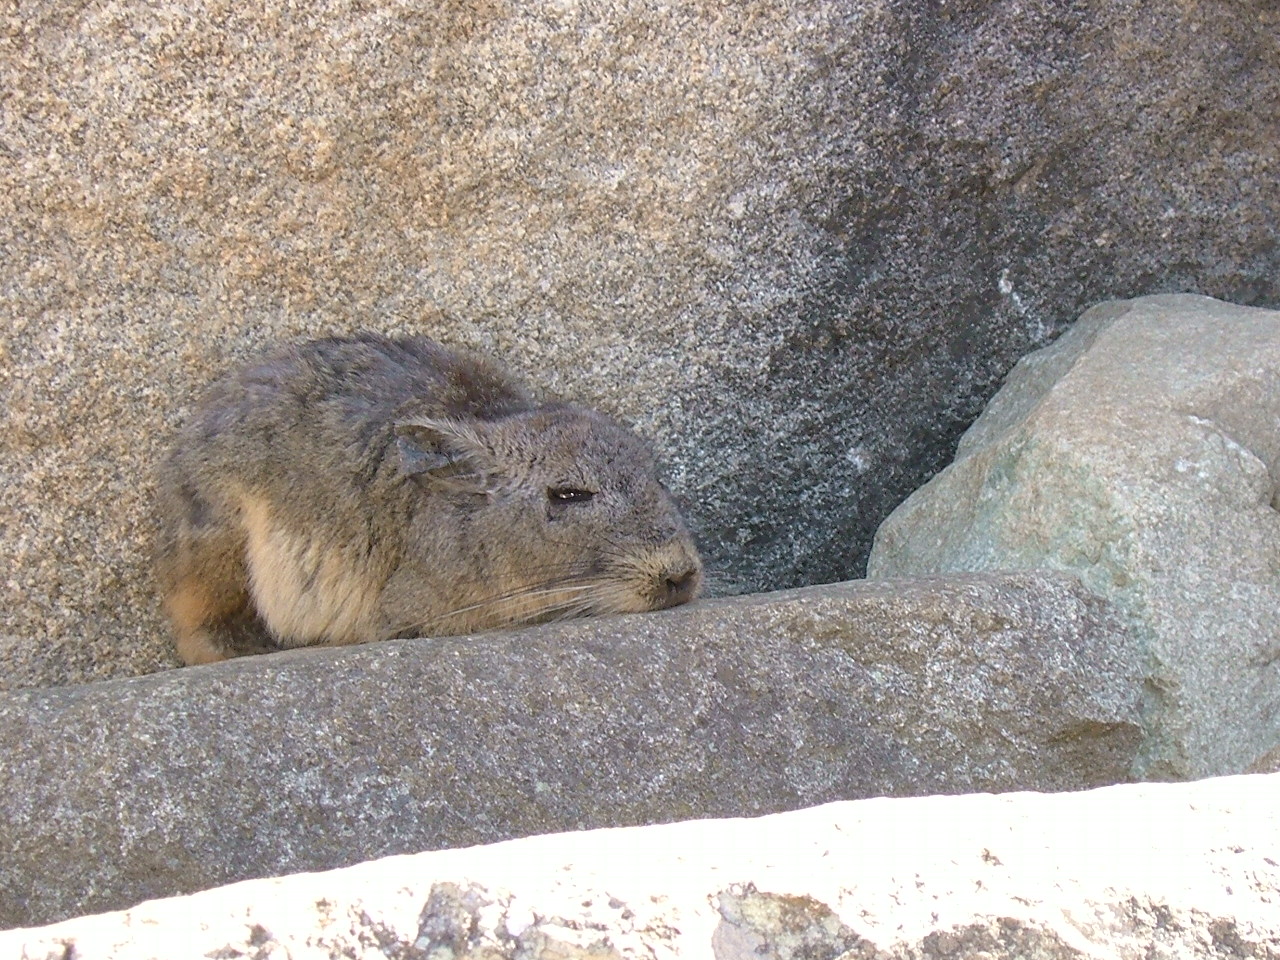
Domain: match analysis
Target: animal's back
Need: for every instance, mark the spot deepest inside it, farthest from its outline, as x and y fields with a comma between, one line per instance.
x=322, y=409
x=275, y=489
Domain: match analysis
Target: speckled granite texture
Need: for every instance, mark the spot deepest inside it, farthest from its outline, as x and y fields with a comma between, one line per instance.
x=1141, y=453
x=149, y=786
x=796, y=243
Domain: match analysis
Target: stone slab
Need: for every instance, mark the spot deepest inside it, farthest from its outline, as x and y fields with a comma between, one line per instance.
x=129, y=789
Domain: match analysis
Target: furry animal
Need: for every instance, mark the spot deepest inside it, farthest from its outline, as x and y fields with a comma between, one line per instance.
x=355, y=489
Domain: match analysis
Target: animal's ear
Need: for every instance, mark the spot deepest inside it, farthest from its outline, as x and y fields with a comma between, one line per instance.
x=449, y=453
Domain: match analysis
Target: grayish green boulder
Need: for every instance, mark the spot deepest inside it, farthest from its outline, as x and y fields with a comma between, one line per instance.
x=1140, y=452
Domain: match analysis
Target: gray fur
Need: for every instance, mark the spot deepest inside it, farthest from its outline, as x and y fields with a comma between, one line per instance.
x=354, y=489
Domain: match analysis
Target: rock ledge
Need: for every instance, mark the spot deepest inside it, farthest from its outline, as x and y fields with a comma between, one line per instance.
x=153, y=786
x=1156, y=871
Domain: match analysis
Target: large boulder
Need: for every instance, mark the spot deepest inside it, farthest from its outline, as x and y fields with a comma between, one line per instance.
x=128, y=789
x=1150, y=872
x=797, y=242
x=1140, y=452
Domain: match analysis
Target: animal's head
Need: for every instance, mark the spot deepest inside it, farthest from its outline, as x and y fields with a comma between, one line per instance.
x=559, y=513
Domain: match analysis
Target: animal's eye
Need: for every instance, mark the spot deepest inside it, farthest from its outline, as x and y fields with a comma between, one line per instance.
x=559, y=495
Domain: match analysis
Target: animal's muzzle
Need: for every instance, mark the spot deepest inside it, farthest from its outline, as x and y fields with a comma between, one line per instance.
x=679, y=583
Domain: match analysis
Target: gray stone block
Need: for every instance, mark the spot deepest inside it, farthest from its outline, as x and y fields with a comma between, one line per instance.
x=151, y=786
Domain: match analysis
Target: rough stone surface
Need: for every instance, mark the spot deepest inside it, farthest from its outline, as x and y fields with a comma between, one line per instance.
x=1150, y=872
x=1141, y=452
x=1269, y=762
x=312, y=759
x=797, y=242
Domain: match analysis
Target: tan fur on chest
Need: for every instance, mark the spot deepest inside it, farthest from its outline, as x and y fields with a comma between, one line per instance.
x=304, y=586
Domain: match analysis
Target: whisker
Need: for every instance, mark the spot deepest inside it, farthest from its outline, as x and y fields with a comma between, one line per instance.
x=547, y=588
x=718, y=582
x=519, y=595
x=571, y=612
x=607, y=582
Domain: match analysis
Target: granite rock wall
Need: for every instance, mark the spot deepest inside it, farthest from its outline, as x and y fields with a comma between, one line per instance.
x=796, y=243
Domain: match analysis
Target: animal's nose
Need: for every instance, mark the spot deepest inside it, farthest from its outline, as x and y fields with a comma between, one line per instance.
x=680, y=586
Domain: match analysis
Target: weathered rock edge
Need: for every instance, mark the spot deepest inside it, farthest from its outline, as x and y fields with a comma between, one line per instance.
x=151, y=786
x=1150, y=871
